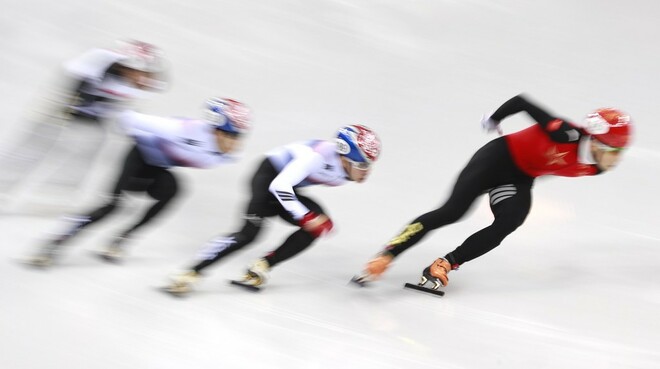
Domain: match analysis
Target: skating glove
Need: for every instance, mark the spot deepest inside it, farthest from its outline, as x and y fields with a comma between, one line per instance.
x=316, y=224
x=490, y=125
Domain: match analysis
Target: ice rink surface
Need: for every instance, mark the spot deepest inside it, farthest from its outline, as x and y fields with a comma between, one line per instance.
x=578, y=286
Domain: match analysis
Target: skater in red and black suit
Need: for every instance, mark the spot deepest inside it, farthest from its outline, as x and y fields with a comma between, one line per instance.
x=505, y=168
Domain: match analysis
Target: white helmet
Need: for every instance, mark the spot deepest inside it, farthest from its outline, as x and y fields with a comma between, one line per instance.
x=141, y=56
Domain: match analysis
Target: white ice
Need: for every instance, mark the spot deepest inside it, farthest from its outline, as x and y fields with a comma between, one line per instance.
x=578, y=286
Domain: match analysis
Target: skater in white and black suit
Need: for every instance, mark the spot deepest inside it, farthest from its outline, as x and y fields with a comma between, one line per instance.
x=65, y=141
x=275, y=190
x=505, y=168
x=160, y=143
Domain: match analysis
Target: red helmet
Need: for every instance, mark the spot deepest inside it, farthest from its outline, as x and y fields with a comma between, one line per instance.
x=610, y=126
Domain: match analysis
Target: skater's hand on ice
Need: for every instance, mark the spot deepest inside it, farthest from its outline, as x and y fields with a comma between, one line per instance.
x=490, y=125
x=316, y=224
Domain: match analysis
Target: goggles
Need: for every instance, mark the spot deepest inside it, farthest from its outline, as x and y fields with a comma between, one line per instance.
x=360, y=165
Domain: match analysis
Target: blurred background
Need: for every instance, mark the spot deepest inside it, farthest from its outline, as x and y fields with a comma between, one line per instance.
x=577, y=286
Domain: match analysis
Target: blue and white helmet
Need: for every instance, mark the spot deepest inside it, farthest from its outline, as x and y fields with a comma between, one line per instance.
x=358, y=143
x=227, y=115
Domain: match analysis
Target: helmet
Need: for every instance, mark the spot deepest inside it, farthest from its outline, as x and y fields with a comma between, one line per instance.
x=358, y=143
x=141, y=56
x=227, y=115
x=609, y=126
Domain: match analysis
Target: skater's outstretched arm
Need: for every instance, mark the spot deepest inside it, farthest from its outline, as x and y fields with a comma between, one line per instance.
x=559, y=130
x=520, y=103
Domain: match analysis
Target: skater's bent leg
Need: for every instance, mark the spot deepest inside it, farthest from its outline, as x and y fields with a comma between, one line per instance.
x=133, y=165
x=482, y=241
x=221, y=246
x=104, y=210
x=450, y=212
x=469, y=185
x=75, y=224
x=485, y=170
x=164, y=189
x=133, y=171
x=414, y=232
x=509, y=215
x=300, y=239
x=294, y=244
x=261, y=205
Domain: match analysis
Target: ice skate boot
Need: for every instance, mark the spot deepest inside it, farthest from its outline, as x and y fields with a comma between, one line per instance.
x=436, y=274
x=43, y=258
x=115, y=252
x=182, y=284
x=46, y=255
x=374, y=269
x=255, y=277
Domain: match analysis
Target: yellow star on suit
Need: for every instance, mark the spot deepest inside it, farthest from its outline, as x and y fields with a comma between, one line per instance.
x=555, y=157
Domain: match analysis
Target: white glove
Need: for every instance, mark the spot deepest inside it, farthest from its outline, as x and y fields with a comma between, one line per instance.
x=490, y=125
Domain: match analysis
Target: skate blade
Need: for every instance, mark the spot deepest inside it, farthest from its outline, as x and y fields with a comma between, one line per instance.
x=172, y=293
x=108, y=259
x=359, y=281
x=424, y=289
x=33, y=264
x=248, y=287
